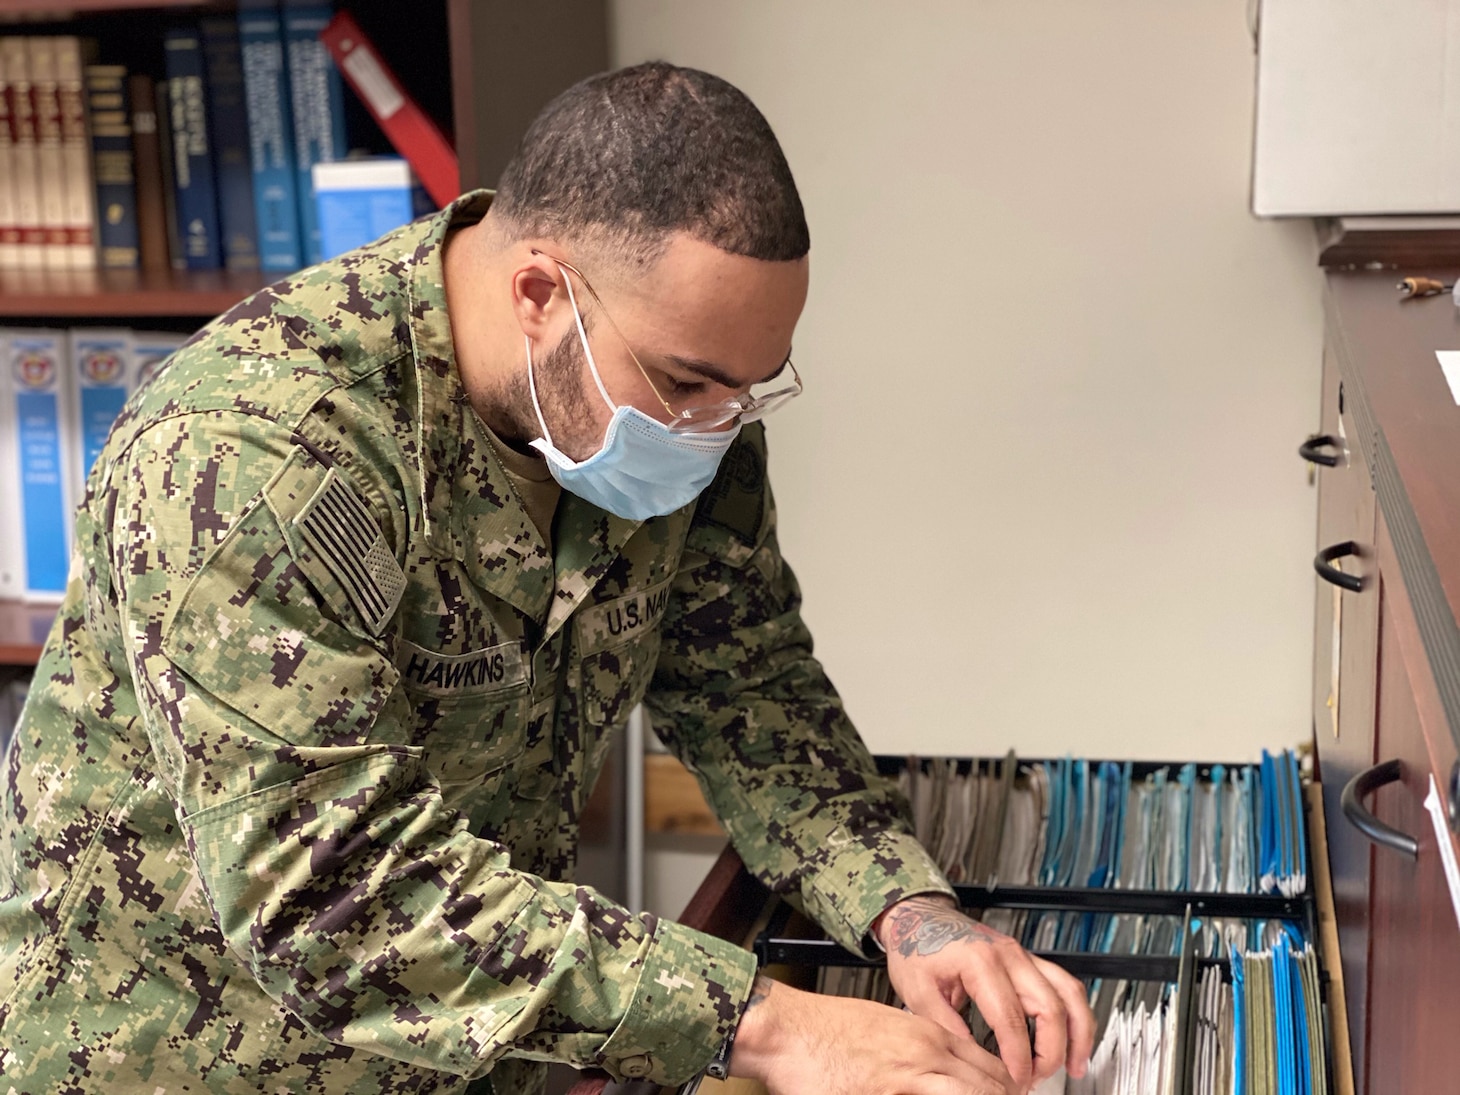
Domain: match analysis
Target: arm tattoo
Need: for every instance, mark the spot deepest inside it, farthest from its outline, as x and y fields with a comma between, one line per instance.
x=759, y=991
x=924, y=927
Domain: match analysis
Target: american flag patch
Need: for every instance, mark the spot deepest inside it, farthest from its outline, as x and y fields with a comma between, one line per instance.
x=337, y=524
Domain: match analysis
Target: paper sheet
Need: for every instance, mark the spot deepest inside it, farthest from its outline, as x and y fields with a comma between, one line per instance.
x=1436, y=806
x=1450, y=365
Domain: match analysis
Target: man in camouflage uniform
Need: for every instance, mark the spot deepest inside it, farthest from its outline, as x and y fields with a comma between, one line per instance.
x=293, y=805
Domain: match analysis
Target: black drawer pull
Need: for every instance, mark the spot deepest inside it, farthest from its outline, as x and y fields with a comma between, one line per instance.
x=1322, y=561
x=1366, y=782
x=1308, y=450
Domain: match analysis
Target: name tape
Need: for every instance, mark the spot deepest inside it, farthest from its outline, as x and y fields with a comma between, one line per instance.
x=492, y=669
x=605, y=625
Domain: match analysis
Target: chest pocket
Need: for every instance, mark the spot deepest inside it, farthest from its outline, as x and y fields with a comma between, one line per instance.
x=618, y=643
x=467, y=712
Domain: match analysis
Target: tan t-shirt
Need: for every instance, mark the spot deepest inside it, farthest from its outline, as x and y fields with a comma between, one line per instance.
x=533, y=483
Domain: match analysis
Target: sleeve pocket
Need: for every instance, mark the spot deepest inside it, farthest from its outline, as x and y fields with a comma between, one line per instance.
x=251, y=631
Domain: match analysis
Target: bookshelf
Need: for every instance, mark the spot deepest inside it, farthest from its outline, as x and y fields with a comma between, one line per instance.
x=482, y=69
x=123, y=294
x=23, y=629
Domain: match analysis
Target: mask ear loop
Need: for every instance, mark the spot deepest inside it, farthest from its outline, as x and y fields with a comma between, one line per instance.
x=583, y=337
x=532, y=387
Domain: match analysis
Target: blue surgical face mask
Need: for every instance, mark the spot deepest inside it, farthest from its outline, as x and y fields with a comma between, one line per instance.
x=643, y=469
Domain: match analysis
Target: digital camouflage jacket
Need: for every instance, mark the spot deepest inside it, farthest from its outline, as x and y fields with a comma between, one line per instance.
x=293, y=803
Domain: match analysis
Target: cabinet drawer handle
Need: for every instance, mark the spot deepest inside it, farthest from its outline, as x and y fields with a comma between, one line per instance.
x=1321, y=563
x=1308, y=450
x=1366, y=782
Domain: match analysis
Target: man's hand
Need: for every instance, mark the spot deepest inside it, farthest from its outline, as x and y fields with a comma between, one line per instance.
x=938, y=959
x=797, y=1042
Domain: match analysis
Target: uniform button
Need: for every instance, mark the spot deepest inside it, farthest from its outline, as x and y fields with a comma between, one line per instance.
x=636, y=1067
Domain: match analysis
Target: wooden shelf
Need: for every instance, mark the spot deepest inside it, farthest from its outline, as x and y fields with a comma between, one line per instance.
x=1394, y=242
x=673, y=802
x=60, y=10
x=23, y=631
x=124, y=293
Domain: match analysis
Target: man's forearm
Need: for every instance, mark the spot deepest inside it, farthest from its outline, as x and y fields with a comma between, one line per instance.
x=756, y=1043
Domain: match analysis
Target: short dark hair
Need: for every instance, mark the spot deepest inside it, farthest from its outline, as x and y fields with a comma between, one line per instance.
x=633, y=155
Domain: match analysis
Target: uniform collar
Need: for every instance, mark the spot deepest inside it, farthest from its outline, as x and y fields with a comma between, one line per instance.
x=469, y=508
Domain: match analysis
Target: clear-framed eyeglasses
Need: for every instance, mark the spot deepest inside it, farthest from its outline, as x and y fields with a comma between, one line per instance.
x=763, y=398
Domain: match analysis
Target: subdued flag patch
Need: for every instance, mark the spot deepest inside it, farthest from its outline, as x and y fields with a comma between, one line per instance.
x=337, y=524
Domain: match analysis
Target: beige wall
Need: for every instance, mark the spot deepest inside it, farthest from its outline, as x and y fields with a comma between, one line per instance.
x=674, y=867
x=1042, y=490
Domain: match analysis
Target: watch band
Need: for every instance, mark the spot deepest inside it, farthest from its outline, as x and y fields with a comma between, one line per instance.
x=717, y=1069
x=719, y=1066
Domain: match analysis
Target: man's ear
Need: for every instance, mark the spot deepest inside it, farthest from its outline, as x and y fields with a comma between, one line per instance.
x=538, y=296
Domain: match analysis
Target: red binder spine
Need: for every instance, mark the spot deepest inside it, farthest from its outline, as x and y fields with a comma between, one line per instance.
x=414, y=135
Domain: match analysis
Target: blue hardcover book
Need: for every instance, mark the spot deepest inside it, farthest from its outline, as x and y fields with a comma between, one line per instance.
x=101, y=375
x=228, y=130
x=319, y=109
x=192, y=160
x=113, y=165
x=36, y=369
x=270, y=135
x=149, y=350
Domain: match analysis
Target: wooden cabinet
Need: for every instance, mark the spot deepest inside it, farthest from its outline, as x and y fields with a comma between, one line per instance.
x=1398, y=675
x=1345, y=633
x=1414, y=964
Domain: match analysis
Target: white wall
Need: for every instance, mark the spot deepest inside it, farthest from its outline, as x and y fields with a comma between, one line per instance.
x=1042, y=490
x=674, y=867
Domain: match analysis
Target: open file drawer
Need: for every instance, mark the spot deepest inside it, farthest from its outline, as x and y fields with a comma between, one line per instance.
x=732, y=905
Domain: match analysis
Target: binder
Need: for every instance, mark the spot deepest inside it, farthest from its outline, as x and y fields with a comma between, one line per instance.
x=12, y=553
x=412, y=132
x=35, y=367
x=149, y=350
x=101, y=365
